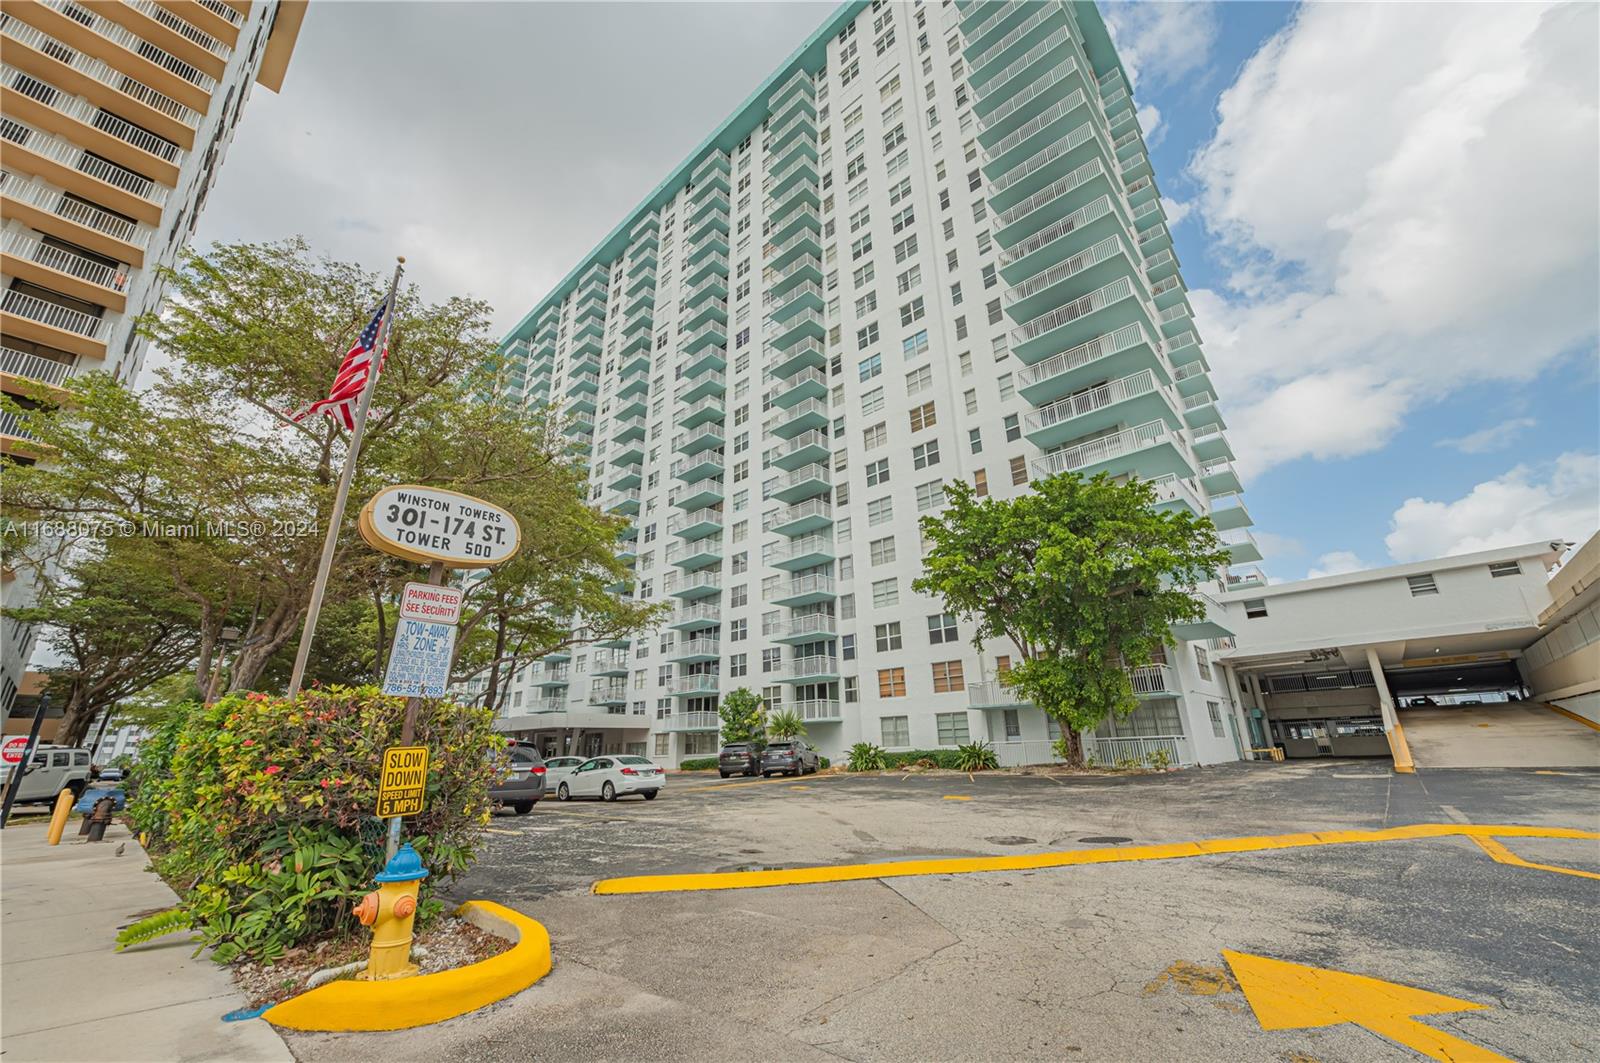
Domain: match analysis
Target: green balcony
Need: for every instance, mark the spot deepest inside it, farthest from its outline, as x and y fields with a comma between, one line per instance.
x=631, y=406
x=640, y=281
x=802, y=168
x=711, y=172
x=627, y=505
x=643, y=258
x=797, y=387
x=610, y=664
x=1022, y=72
x=1136, y=399
x=707, y=357
x=694, y=554
x=713, y=287
x=984, y=25
x=801, y=417
x=1211, y=444
x=802, y=270
x=797, y=102
x=1176, y=320
x=1050, y=88
x=806, y=627
x=804, y=518
x=800, y=148
x=799, y=82
x=552, y=678
x=798, y=126
x=800, y=324
x=1160, y=265
x=1093, y=267
x=697, y=467
x=1148, y=450
x=695, y=524
x=1192, y=377
x=583, y=382
x=708, y=310
x=703, y=263
x=1039, y=132
x=1142, y=191
x=1200, y=409
x=583, y=403
x=1044, y=168
x=804, y=449
x=1155, y=239
x=1228, y=511
x=578, y=426
x=1000, y=49
x=707, y=436
x=642, y=303
x=626, y=477
x=700, y=585
x=808, y=481
x=702, y=495
x=635, y=359
x=695, y=686
x=1241, y=547
x=807, y=552
x=630, y=454
x=1247, y=579
x=1102, y=311
x=710, y=408
x=803, y=353
x=711, y=224
x=1055, y=211
x=1168, y=292
x=696, y=651
x=634, y=383
x=812, y=668
x=701, y=385
x=801, y=297
x=637, y=344
x=591, y=327
x=802, y=590
x=797, y=221
x=781, y=255
x=798, y=194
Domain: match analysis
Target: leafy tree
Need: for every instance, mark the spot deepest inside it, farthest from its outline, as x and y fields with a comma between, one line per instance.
x=786, y=723
x=112, y=618
x=232, y=496
x=744, y=717
x=1084, y=576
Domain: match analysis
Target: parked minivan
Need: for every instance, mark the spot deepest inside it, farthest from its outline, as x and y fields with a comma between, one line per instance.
x=54, y=768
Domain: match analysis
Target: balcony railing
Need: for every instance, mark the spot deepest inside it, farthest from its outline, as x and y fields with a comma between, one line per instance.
x=33, y=367
x=126, y=38
x=100, y=71
x=689, y=520
x=819, y=624
x=61, y=317
x=1107, y=448
x=1060, y=187
x=90, y=115
x=1153, y=679
x=814, y=665
x=33, y=249
x=1062, y=270
x=813, y=584
x=1081, y=355
x=60, y=150
x=1121, y=288
x=1027, y=26
x=37, y=194
x=779, y=552
x=1031, y=127
x=697, y=648
x=1042, y=158
x=693, y=684
x=697, y=614
x=820, y=709
x=1084, y=402
x=1017, y=66
x=692, y=721
x=11, y=426
x=1089, y=212
x=192, y=34
x=1060, y=73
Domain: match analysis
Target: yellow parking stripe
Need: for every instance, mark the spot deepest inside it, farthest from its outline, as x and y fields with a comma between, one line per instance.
x=1502, y=855
x=726, y=880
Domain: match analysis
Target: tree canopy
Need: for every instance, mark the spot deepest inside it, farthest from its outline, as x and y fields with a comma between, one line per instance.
x=226, y=497
x=744, y=717
x=1084, y=576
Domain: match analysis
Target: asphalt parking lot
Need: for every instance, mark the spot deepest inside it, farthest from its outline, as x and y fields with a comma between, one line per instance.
x=1144, y=959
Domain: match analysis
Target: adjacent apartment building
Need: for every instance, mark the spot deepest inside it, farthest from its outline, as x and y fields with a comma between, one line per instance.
x=114, y=116
x=930, y=247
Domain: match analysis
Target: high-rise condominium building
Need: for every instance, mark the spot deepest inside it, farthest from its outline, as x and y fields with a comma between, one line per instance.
x=930, y=247
x=114, y=117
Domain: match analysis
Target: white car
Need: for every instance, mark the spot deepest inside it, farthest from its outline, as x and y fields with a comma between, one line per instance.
x=611, y=776
x=54, y=768
x=558, y=768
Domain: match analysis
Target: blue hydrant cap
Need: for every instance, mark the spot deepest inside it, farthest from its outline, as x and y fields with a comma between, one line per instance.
x=404, y=866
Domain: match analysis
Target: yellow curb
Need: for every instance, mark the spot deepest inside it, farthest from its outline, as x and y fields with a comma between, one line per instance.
x=1502, y=855
x=1574, y=717
x=350, y=1005
x=797, y=876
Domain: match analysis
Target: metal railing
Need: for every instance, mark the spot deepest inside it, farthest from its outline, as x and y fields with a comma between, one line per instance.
x=690, y=547
x=699, y=516
x=1121, y=288
x=705, y=464
x=1027, y=26
x=222, y=11
x=1098, y=398
x=34, y=249
x=1170, y=488
x=799, y=409
x=61, y=317
x=774, y=553
x=1106, y=448
x=812, y=507
x=814, y=665
x=1153, y=679
x=814, y=584
x=1083, y=354
x=697, y=648
x=1055, y=190
x=1037, y=122
x=813, y=438
x=1042, y=158
x=813, y=708
x=1021, y=754
x=70, y=155
x=1139, y=750
x=99, y=70
x=1057, y=74
x=692, y=721
x=1059, y=272
x=83, y=111
x=804, y=474
x=1056, y=230
x=693, y=684
x=182, y=28
x=819, y=624
x=126, y=38
x=32, y=367
x=697, y=614
x=1028, y=58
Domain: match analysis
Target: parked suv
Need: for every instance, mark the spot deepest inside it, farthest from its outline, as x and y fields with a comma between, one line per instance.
x=739, y=758
x=789, y=756
x=54, y=768
x=523, y=788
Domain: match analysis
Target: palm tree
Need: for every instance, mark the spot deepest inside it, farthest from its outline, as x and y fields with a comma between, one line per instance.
x=785, y=724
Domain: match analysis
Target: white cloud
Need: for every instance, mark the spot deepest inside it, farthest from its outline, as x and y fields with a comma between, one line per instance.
x=1559, y=500
x=1495, y=437
x=1337, y=563
x=1406, y=194
x=1162, y=42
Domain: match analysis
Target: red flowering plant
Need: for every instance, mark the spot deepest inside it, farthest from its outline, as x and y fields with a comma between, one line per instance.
x=265, y=817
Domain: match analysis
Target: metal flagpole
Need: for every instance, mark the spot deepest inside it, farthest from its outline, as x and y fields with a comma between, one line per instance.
x=336, y=518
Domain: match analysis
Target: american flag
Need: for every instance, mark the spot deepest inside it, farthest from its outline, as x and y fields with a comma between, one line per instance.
x=345, y=395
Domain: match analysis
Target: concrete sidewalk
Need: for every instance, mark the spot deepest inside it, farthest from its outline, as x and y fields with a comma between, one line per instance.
x=65, y=995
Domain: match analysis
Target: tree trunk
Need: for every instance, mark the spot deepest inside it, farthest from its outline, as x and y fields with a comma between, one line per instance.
x=491, y=693
x=1075, y=757
x=75, y=720
x=378, y=659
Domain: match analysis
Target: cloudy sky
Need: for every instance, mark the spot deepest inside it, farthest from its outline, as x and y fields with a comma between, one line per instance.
x=1386, y=213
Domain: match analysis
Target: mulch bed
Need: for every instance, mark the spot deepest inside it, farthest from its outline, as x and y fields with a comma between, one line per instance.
x=449, y=943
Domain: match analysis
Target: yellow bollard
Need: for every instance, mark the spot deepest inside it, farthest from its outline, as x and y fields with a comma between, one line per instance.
x=63, y=811
x=390, y=911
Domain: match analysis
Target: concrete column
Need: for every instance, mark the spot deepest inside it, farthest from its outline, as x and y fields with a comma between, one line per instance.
x=1391, y=720
x=1236, y=700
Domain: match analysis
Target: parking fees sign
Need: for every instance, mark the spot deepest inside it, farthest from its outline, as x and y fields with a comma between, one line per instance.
x=435, y=604
x=404, y=781
x=419, y=664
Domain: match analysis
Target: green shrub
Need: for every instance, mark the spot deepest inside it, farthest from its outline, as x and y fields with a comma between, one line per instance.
x=864, y=756
x=823, y=762
x=927, y=758
x=261, y=811
x=976, y=756
x=1159, y=759
x=698, y=764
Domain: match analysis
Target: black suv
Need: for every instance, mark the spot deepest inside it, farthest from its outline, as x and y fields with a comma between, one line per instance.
x=789, y=756
x=739, y=758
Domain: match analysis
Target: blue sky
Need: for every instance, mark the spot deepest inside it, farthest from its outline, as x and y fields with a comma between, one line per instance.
x=1386, y=215
x=1378, y=415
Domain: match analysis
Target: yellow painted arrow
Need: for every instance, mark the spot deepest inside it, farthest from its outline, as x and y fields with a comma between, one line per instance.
x=1291, y=996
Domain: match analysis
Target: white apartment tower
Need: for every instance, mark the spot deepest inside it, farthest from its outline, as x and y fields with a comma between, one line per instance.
x=114, y=117
x=930, y=247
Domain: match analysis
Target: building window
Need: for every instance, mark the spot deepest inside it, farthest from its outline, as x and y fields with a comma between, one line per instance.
x=930, y=495
x=980, y=483
x=948, y=677
x=1505, y=568
x=923, y=416
x=1019, y=471
x=887, y=636
x=1215, y=712
x=770, y=659
x=739, y=664
x=1013, y=723
x=882, y=550
x=942, y=628
x=885, y=592
x=852, y=690
x=847, y=647
x=1202, y=665
x=738, y=630
x=925, y=454
x=877, y=472
x=952, y=728
x=896, y=731
x=880, y=511
x=870, y=367
x=1255, y=608
x=1421, y=585
x=891, y=682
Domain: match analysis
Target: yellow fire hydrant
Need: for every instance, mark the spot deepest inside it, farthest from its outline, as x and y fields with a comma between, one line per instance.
x=389, y=910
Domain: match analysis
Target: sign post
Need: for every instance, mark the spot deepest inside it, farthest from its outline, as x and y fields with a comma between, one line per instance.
x=448, y=530
x=24, y=757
